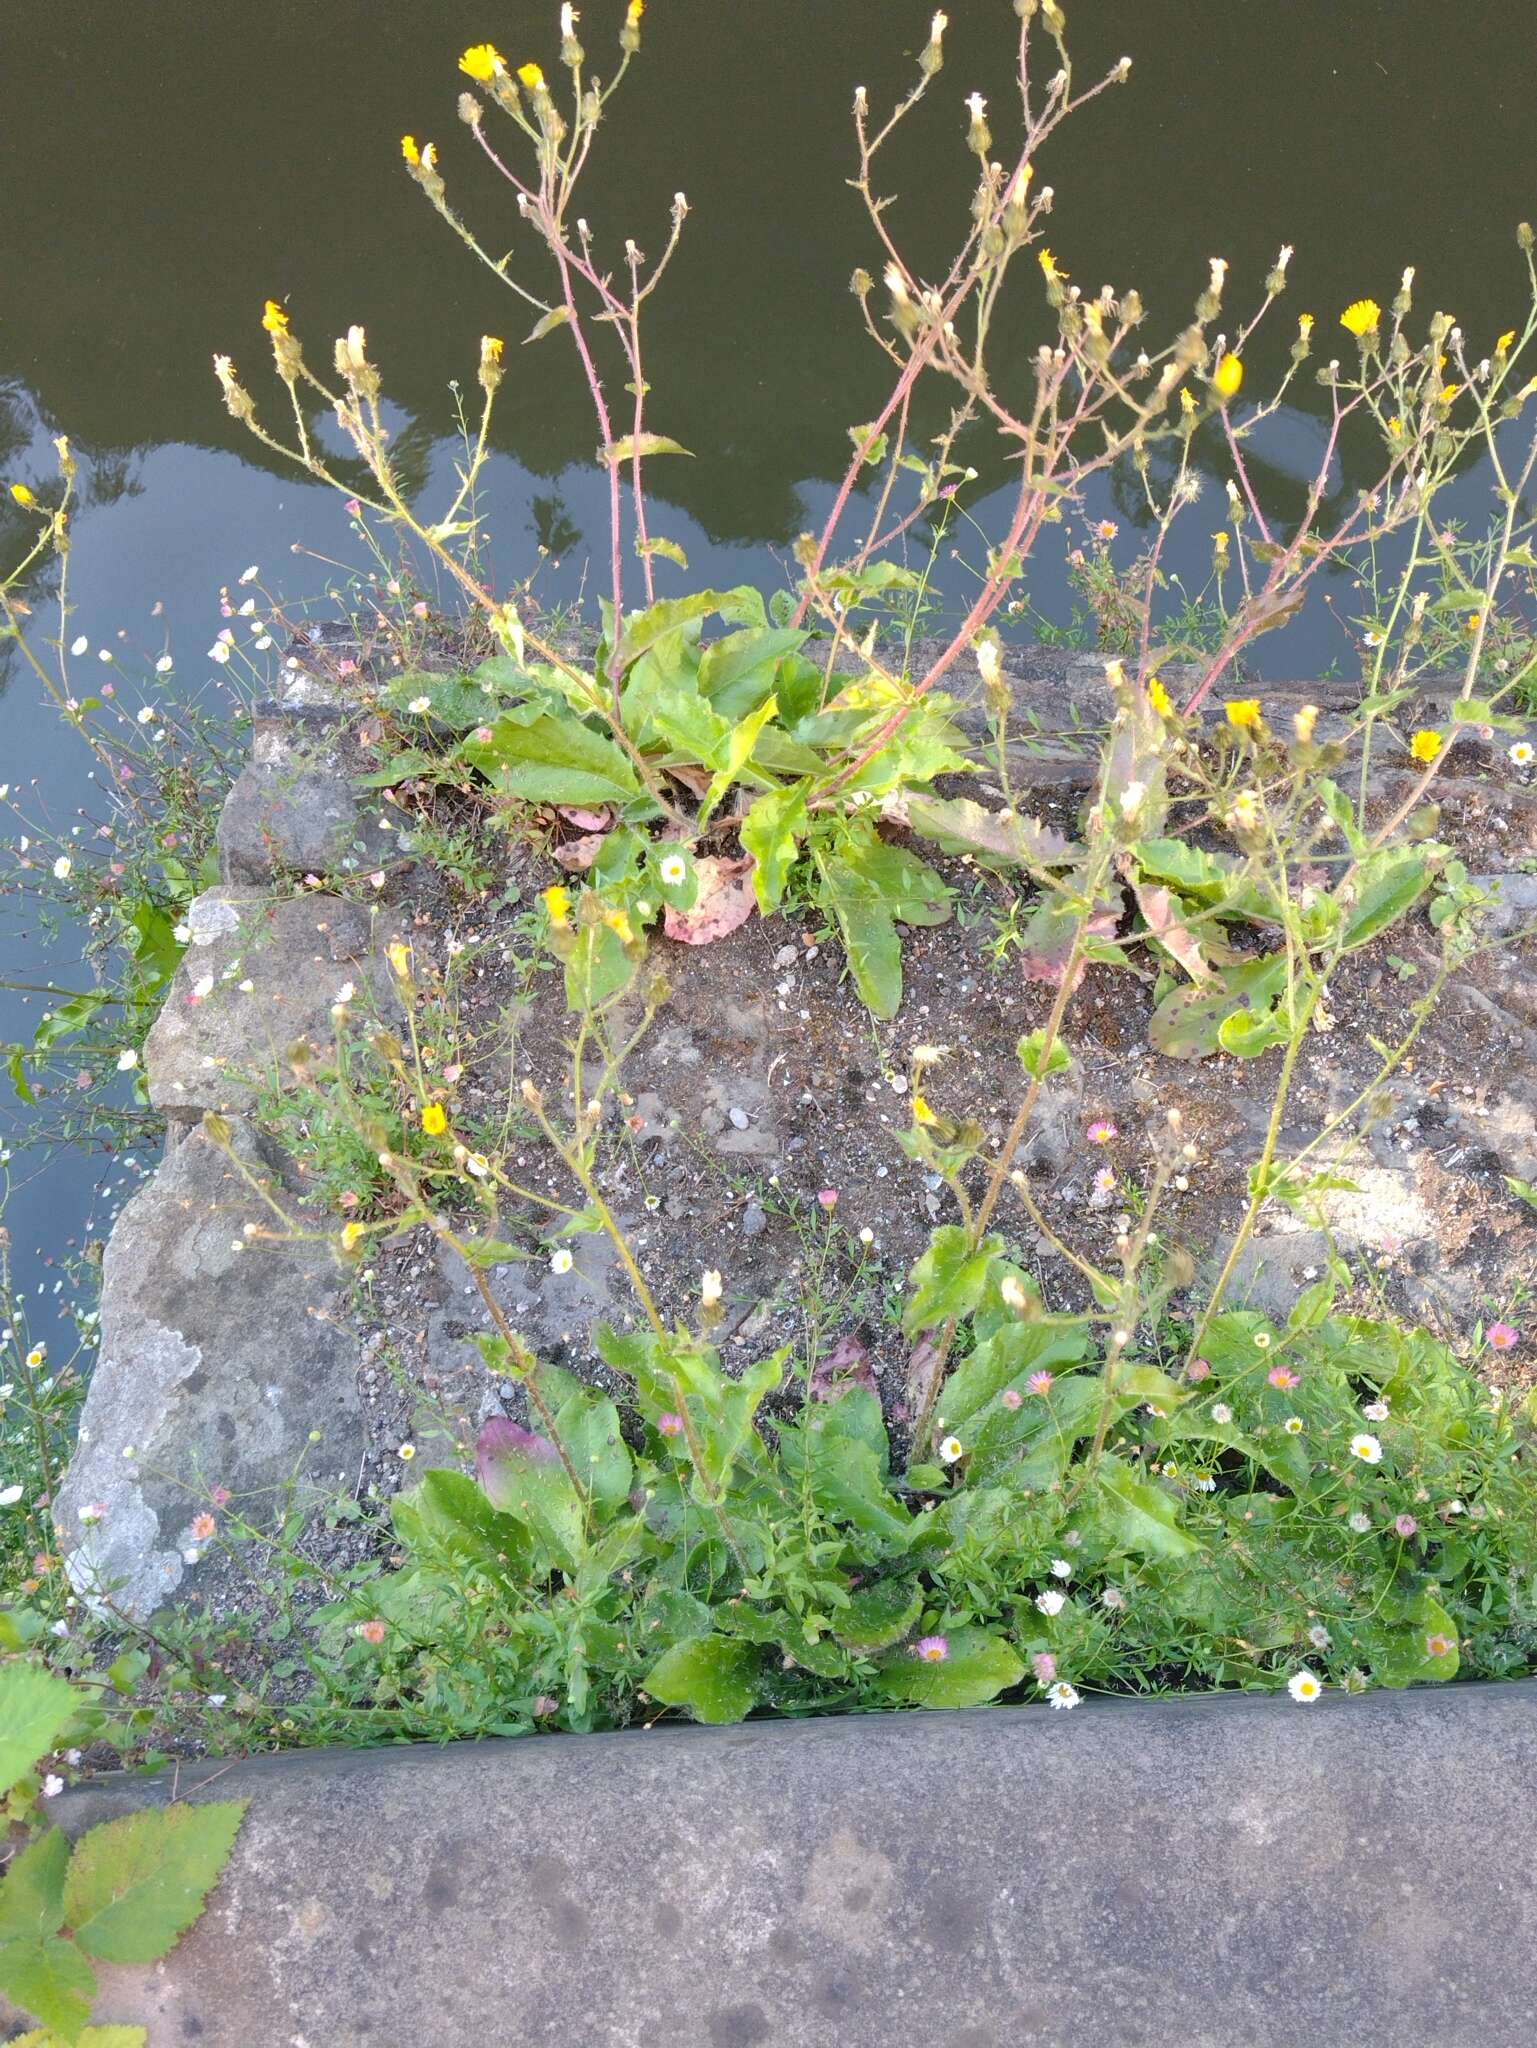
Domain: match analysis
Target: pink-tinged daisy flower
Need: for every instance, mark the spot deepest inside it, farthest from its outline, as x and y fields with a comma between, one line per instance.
x=1501, y=1337
x=1011, y=1397
x=931, y=1649
x=669, y=1424
x=1197, y=1369
x=371, y=1631
x=1101, y=1131
x=1405, y=1526
x=1438, y=1646
x=828, y=1197
x=1039, y=1383
x=204, y=1528
x=1282, y=1376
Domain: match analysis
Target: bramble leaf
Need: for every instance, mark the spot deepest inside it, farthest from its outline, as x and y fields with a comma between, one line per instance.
x=135, y=1885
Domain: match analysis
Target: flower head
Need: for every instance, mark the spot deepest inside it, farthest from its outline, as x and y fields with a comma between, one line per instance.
x=1039, y=1382
x=1243, y=713
x=931, y=1649
x=1405, y=1526
x=398, y=954
x=828, y=1197
x=1062, y=1694
x=1221, y=1414
x=669, y=1424
x=1304, y=1687
x=1426, y=744
x=1361, y=318
x=1101, y=1132
x=23, y=496
x=413, y=157
x=710, y=1288
x=1044, y=1665
x=1360, y=1524
x=1011, y=1397
x=1523, y=753
x=1227, y=377
x=1502, y=1337
x=1293, y=1425
x=274, y=319
x=1051, y=1601
x=434, y=1119
x=561, y=1260
x=1376, y=1411
x=1282, y=1376
x=483, y=62
x=531, y=76
x=952, y=1450
x=1438, y=1646
x=673, y=869
x=1366, y=1447
x=371, y=1631
x=1159, y=698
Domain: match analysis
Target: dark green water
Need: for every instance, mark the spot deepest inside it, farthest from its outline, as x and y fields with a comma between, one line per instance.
x=168, y=168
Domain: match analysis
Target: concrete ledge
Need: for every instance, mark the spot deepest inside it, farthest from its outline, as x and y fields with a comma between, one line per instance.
x=1217, y=1873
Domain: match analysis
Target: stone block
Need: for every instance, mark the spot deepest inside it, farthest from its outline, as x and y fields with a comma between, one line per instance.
x=221, y=1356
x=260, y=973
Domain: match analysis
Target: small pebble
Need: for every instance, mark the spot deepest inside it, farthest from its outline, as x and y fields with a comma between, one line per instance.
x=739, y=1118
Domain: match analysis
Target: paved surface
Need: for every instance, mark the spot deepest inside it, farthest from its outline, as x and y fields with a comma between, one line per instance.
x=1227, y=1873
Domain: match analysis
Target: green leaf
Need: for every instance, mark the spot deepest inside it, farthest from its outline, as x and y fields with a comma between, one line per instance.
x=1031, y=1049
x=1138, y=1516
x=1388, y=884
x=948, y=1279
x=51, y=1979
x=137, y=1884
x=739, y=747
x=1010, y=1355
x=869, y=936
x=642, y=630
x=552, y=761
x=32, y=1893
x=710, y=1675
x=449, y=1513
x=978, y=1666
x=878, y=1616
x=455, y=701
x=771, y=833
x=751, y=657
x=960, y=825
x=642, y=445
x=1187, y=1025
x=588, y=1426
x=847, y=1480
x=34, y=1710
x=597, y=968
x=668, y=549
x=522, y=1476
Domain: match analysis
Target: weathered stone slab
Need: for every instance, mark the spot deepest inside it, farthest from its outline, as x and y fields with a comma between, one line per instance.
x=225, y=1361
x=1212, y=1873
x=296, y=808
x=260, y=972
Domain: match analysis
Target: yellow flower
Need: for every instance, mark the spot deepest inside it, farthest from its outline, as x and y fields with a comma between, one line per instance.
x=1504, y=342
x=409, y=150
x=922, y=1114
x=1227, y=377
x=1395, y=426
x=636, y=10
x=1361, y=318
x=434, y=1119
x=1049, y=268
x=491, y=347
x=557, y=904
x=23, y=496
x=1305, y=325
x=1243, y=712
x=352, y=1234
x=1187, y=403
x=617, y=921
x=399, y=957
x=1448, y=393
x=1425, y=745
x=531, y=76
x=275, y=320
x=1475, y=620
x=483, y=61
x=1159, y=698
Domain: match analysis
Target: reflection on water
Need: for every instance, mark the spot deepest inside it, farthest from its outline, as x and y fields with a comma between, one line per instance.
x=171, y=169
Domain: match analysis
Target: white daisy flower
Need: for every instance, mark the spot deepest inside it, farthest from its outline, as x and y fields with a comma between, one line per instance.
x=250, y=575
x=9, y=1495
x=1523, y=753
x=951, y=1449
x=1360, y=1523
x=127, y=1060
x=1304, y=1687
x=1293, y=1425
x=1376, y=1411
x=219, y=651
x=1221, y=1413
x=80, y=645
x=1366, y=1448
x=1051, y=1601
x=62, y=866
x=419, y=705
x=1062, y=1694
x=164, y=665
x=1060, y=1568
x=673, y=869
x=561, y=1260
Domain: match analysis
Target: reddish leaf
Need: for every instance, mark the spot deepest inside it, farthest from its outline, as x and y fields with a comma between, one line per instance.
x=846, y=1365
x=922, y=1368
x=725, y=900
x=695, y=780
x=1161, y=910
x=579, y=854
x=586, y=821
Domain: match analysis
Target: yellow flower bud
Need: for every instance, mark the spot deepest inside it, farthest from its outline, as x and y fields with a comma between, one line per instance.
x=23, y=496
x=1159, y=698
x=531, y=76
x=1227, y=377
x=274, y=319
x=1303, y=722
x=409, y=150
x=351, y=1236
x=398, y=954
